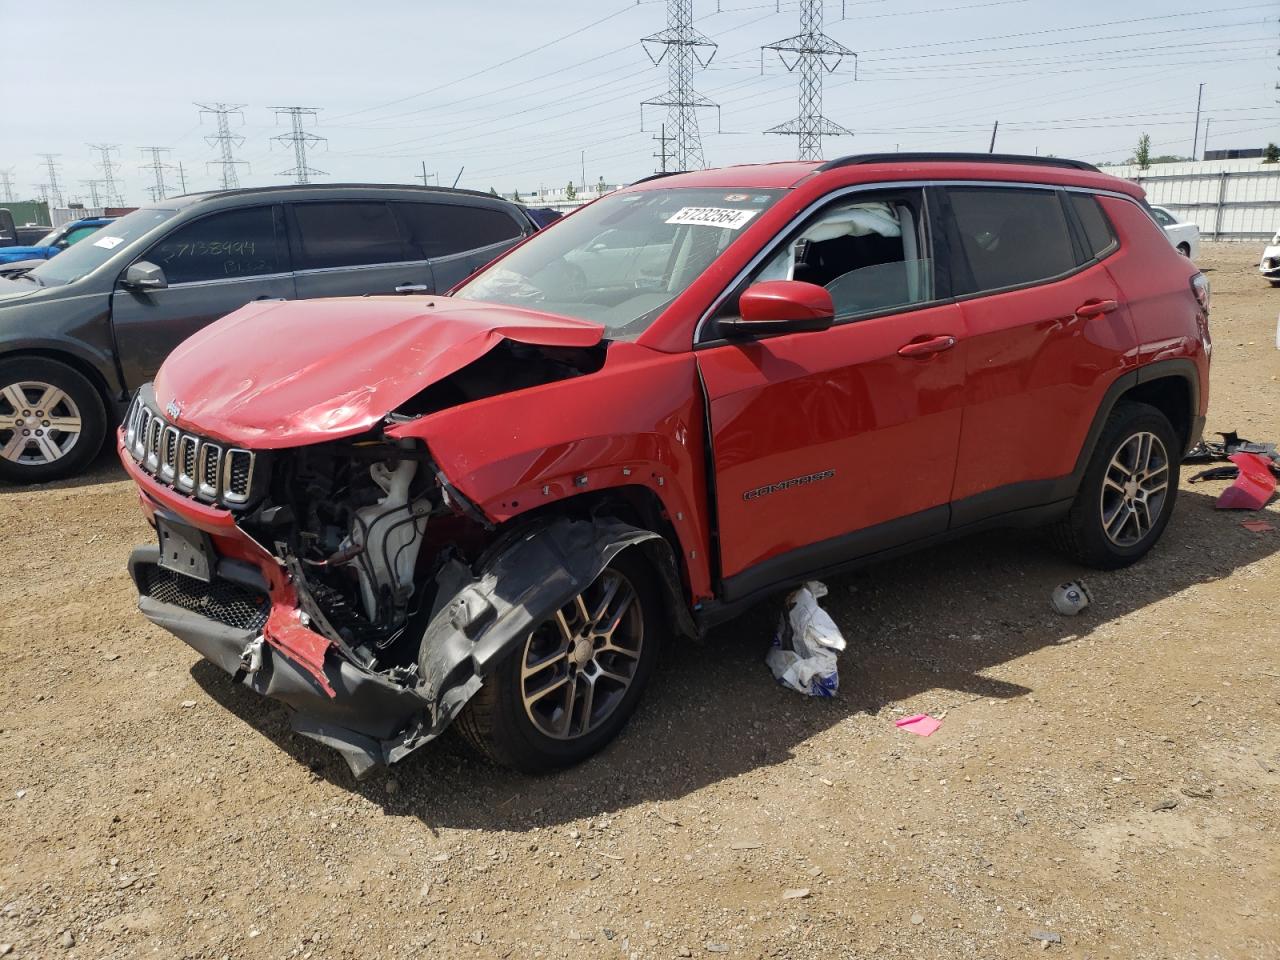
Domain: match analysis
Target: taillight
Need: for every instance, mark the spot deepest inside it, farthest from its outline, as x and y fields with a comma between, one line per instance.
x=1200, y=287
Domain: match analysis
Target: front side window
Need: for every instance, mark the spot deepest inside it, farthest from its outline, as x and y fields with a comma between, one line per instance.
x=870, y=252
x=444, y=229
x=1010, y=236
x=346, y=234
x=621, y=260
x=221, y=246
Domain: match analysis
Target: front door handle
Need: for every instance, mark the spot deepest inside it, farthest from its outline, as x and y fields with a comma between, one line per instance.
x=413, y=288
x=926, y=347
x=1096, y=308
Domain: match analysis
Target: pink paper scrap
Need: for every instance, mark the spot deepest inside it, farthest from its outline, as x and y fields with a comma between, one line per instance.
x=1258, y=526
x=921, y=724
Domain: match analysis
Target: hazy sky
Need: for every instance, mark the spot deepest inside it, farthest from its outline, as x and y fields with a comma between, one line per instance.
x=463, y=84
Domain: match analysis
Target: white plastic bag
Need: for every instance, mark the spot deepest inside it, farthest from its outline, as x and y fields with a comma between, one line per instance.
x=803, y=654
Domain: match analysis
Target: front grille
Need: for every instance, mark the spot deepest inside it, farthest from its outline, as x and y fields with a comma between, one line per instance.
x=226, y=602
x=189, y=463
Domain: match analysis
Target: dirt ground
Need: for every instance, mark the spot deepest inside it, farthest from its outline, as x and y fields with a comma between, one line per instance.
x=1101, y=786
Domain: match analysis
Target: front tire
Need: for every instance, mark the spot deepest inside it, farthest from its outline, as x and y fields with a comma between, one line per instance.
x=570, y=686
x=1184, y=249
x=1128, y=490
x=52, y=420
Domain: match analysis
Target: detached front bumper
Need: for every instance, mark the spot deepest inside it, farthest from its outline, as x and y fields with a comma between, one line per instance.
x=246, y=620
x=360, y=719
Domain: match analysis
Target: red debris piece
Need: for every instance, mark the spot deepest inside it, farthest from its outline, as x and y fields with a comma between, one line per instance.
x=1252, y=488
x=1257, y=526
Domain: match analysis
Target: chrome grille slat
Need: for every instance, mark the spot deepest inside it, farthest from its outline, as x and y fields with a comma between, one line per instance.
x=237, y=475
x=186, y=479
x=169, y=453
x=187, y=462
x=209, y=470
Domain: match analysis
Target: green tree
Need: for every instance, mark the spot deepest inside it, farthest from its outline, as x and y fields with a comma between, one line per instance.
x=1142, y=156
x=570, y=193
x=516, y=197
x=1271, y=154
x=493, y=192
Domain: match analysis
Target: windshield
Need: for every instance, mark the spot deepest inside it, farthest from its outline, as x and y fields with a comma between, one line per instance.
x=84, y=258
x=622, y=259
x=48, y=239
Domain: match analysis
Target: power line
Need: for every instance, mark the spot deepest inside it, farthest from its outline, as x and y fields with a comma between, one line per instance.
x=159, y=190
x=51, y=165
x=682, y=45
x=225, y=140
x=300, y=138
x=110, y=186
x=815, y=54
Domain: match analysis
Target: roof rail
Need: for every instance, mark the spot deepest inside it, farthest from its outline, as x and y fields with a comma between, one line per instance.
x=656, y=176
x=944, y=157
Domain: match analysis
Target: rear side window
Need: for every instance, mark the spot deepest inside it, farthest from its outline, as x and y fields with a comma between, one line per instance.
x=236, y=243
x=347, y=234
x=1010, y=236
x=442, y=229
x=1098, y=238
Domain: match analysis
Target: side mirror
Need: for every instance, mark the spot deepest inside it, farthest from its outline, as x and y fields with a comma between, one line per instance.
x=780, y=306
x=144, y=276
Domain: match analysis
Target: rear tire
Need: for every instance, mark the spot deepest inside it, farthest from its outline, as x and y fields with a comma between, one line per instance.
x=1184, y=249
x=52, y=420
x=1128, y=490
x=533, y=713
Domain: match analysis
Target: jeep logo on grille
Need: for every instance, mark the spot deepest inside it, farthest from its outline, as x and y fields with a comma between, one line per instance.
x=174, y=409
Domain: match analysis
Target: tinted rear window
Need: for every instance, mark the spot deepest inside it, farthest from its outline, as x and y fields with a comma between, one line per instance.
x=1097, y=229
x=346, y=234
x=441, y=229
x=1010, y=236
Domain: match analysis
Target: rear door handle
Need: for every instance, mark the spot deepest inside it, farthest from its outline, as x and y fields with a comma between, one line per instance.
x=413, y=288
x=926, y=347
x=1096, y=308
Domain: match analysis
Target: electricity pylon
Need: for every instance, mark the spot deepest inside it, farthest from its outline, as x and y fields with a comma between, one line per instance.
x=814, y=54
x=110, y=186
x=682, y=46
x=226, y=140
x=160, y=189
x=300, y=138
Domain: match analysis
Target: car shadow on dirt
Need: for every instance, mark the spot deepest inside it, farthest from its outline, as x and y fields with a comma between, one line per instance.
x=104, y=468
x=930, y=629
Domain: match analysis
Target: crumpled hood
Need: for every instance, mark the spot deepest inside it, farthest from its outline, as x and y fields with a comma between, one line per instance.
x=288, y=373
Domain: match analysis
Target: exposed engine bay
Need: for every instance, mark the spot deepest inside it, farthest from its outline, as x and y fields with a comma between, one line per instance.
x=365, y=522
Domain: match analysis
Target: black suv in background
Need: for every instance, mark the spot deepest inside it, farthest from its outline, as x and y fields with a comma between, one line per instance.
x=80, y=332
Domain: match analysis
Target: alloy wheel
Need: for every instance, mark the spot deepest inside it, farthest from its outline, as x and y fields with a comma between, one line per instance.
x=577, y=667
x=39, y=423
x=1134, y=488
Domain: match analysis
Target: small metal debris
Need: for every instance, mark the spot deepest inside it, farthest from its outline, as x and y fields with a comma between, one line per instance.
x=1046, y=936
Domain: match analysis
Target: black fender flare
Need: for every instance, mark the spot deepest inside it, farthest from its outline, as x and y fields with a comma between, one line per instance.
x=481, y=614
x=1181, y=367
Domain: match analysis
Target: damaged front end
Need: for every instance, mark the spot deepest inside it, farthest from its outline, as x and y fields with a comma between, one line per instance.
x=348, y=579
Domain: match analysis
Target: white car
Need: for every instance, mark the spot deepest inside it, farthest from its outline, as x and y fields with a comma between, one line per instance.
x=1269, y=267
x=1185, y=237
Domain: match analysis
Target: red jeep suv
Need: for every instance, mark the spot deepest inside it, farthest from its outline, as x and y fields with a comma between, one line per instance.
x=391, y=513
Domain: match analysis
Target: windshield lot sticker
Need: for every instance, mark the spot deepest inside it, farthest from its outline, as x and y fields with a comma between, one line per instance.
x=724, y=217
x=109, y=243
